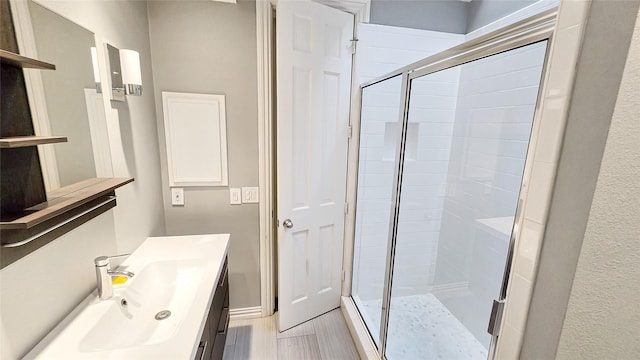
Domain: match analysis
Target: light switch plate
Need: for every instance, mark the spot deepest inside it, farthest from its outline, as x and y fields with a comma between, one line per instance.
x=235, y=196
x=177, y=196
x=250, y=195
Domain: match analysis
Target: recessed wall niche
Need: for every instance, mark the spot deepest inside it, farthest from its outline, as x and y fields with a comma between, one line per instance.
x=391, y=133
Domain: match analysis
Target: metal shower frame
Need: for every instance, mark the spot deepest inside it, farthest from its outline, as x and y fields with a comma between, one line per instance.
x=530, y=30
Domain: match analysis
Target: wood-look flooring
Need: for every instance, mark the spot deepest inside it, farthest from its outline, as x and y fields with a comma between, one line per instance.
x=323, y=338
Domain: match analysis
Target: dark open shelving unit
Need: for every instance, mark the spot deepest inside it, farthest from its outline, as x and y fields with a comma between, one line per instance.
x=29, y=217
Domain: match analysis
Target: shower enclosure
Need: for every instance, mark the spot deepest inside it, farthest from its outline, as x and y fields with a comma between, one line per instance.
x=443, y=147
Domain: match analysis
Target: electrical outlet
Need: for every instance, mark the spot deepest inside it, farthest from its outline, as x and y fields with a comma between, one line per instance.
x=177, y=196
x=250, y=195
x=235, y=197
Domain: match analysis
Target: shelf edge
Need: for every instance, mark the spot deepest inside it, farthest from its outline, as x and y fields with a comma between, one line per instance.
x=64, y=204
x=24, y=141
x=13, y=59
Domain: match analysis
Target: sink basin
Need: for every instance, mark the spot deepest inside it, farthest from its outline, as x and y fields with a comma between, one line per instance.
x=160, y=313
x=130, y=318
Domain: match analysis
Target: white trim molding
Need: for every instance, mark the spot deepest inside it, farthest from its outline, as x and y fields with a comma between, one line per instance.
x=352, y=174
x=253, y=312
x=360, y=8
x=264, y=36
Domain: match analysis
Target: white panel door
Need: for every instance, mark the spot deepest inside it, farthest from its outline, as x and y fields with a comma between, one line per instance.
x=313, y=97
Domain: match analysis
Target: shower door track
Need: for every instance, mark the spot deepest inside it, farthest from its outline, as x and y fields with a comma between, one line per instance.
x=530, y=30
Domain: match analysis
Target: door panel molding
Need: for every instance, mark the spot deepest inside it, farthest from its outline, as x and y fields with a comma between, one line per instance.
x=313, y=105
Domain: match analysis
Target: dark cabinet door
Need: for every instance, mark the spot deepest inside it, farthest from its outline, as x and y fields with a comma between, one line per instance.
x=221, y=333
x=214, y=335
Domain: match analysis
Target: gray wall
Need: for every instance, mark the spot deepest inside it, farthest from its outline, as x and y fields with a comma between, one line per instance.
x=603, y=316
x=40, y=289
x=598, y=77
x=484, y=12
x=437, y=15
x=453, y=16
x=210, y=47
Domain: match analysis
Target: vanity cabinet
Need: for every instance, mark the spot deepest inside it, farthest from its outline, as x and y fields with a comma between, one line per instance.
x=214, y=335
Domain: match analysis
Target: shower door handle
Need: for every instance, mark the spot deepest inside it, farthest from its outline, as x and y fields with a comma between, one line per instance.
x=288, y=224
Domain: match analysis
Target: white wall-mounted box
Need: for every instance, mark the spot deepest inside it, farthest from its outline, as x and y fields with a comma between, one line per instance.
x=196, y=139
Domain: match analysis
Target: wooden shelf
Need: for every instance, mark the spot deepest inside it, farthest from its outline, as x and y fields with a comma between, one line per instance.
x=7, y=57
x=23, y=141
x=63, y=200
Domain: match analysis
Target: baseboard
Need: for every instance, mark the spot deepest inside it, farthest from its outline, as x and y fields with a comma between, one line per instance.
x=253, y=312
x=364, y=344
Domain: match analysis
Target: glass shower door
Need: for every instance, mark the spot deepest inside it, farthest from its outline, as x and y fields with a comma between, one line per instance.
x=379, y=130
x=467, y=137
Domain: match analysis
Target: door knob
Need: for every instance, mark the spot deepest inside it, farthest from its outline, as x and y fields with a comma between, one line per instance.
x=287, y=224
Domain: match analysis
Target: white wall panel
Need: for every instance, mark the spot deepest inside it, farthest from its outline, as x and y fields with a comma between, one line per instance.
x=196, y=139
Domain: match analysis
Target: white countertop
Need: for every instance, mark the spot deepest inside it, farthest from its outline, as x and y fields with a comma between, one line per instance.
x=64, y=342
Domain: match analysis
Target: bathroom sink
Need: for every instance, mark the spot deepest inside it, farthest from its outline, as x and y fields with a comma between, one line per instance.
x=149, y=309
x=159, y=313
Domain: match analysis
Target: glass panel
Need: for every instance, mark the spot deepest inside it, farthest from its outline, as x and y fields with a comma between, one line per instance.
x=467, y=140
x=379, y=126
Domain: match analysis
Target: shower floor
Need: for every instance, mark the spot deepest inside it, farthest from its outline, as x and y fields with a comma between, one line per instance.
x=421, y=327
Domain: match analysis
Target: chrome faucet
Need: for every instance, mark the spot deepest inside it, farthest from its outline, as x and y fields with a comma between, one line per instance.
x=104, y=274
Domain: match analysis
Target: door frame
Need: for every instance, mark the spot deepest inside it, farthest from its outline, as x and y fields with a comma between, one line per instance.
x=265, y=32
x=265, y=50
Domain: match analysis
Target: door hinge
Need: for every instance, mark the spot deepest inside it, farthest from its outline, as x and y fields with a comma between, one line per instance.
x=346, y=208
x=496, y=317
x=343, y=276
x=349, y=131
x=354, y=43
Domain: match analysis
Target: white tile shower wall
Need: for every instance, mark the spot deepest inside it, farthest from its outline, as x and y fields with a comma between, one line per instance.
x=382, y=49
x=431, y=115
x=496, y=103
